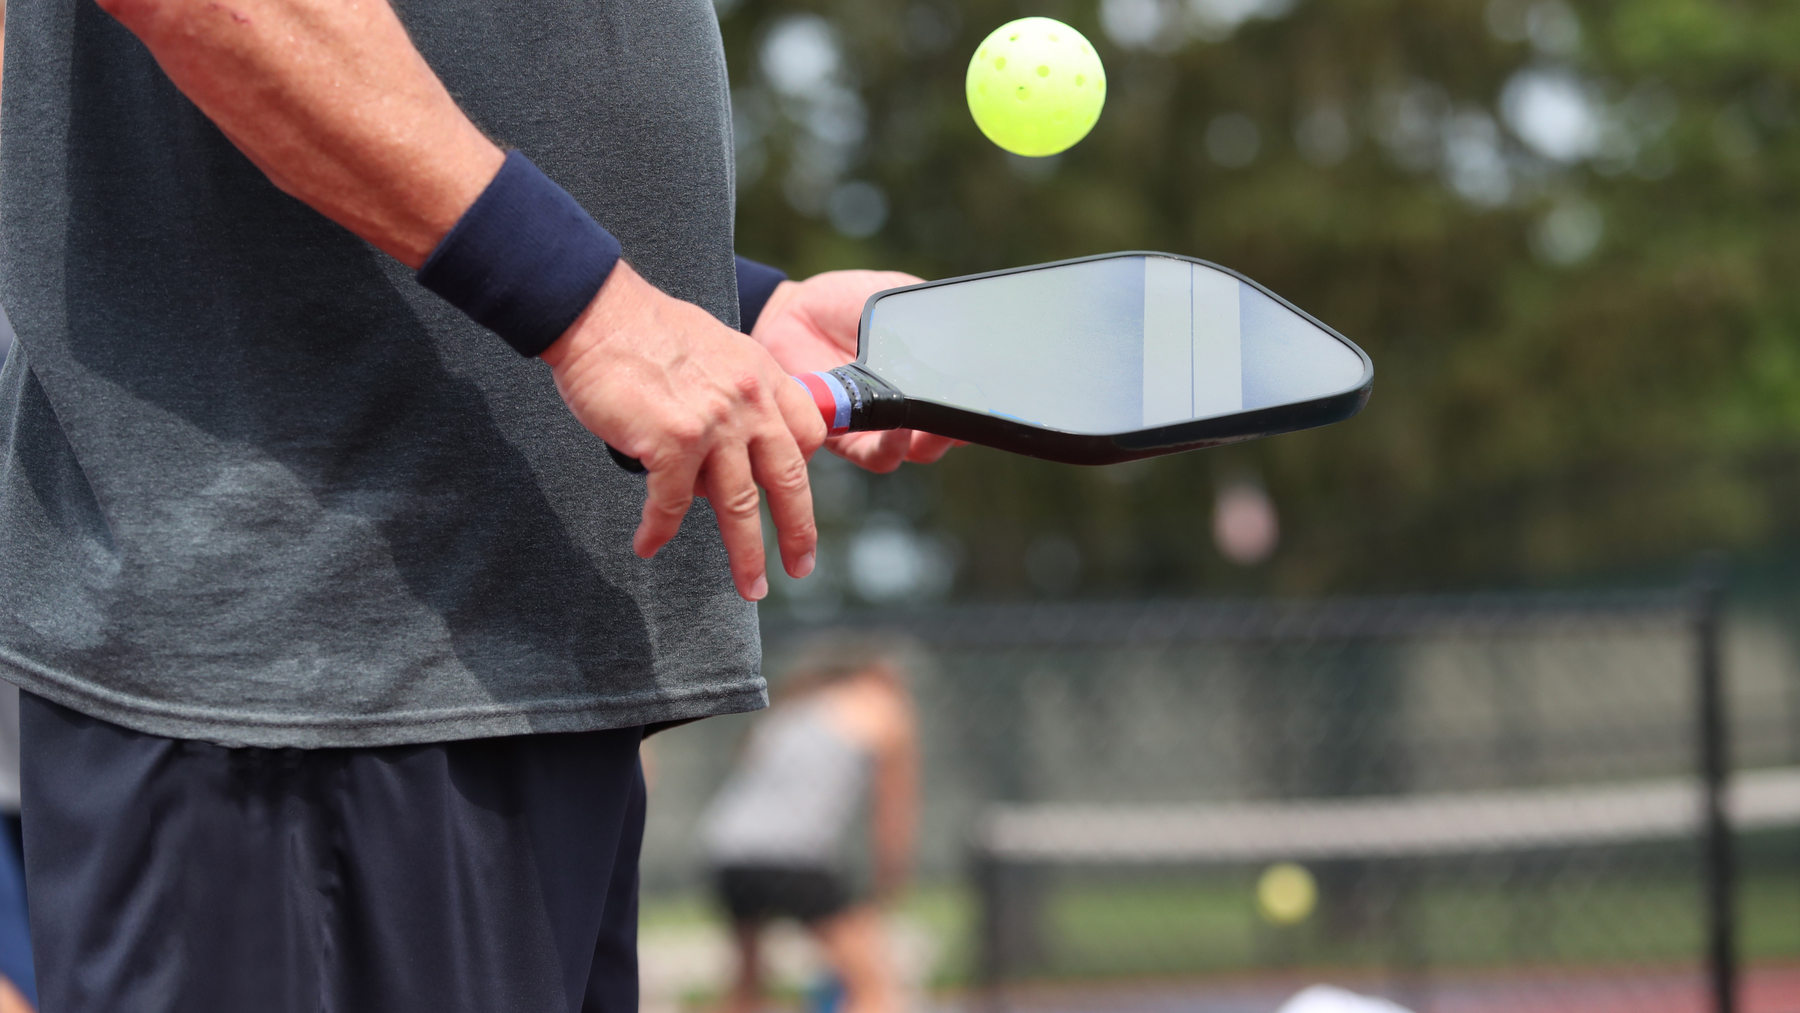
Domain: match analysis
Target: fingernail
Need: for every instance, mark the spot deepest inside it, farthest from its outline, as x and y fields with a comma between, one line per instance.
x=805, y=566
x=760, y=589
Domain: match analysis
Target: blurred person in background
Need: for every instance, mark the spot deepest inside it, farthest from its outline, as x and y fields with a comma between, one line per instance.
x=842, y=730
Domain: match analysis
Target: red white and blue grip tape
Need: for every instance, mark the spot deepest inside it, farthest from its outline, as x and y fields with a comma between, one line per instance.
x=829, y=393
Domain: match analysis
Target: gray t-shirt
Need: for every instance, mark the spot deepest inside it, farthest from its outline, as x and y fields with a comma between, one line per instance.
x=259, y=487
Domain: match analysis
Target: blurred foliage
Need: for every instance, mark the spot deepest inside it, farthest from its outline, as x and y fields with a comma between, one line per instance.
x=1568, y=235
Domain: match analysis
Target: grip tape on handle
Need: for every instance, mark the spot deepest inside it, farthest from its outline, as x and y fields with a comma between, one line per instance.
x=832, y=399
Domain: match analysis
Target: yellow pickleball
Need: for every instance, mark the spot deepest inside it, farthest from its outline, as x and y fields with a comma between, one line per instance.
x=1036, y=86
x=1286, y=893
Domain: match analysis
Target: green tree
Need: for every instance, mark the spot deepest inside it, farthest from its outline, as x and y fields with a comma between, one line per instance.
x=1568, y=235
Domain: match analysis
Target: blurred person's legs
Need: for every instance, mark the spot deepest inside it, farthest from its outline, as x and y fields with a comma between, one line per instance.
x=851, y=936
x=746, y=993
x=755, y=895
x=856, y=944
x=480, y=875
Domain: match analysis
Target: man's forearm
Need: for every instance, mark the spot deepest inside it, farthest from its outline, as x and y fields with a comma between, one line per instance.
x=332, y=101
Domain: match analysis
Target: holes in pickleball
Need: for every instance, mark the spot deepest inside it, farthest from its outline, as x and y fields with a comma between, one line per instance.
x=1043, y=70
x=1023, y=93
x=1080, y=79
x=1000, y=64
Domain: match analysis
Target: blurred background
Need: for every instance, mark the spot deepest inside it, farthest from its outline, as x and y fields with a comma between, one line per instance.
x=1567, y=233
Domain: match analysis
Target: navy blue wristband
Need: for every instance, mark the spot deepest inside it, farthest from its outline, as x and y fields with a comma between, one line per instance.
x=756, y=283
x=524, y=260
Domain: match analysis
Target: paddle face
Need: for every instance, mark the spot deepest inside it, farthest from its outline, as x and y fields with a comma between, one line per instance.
x=1102, y=359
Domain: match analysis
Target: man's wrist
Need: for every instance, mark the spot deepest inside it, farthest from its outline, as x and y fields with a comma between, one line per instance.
x=591, y=327
x=525, y=260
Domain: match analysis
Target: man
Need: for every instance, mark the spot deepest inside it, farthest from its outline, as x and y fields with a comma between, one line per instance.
x=336, y=638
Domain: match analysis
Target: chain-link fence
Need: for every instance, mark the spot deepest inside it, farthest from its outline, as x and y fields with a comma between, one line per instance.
x=1477, y=803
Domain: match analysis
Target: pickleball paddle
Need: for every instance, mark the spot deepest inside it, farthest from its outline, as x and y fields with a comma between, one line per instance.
x=1092, y=361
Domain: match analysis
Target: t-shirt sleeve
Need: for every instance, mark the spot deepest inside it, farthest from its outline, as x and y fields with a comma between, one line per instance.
x=755, y=284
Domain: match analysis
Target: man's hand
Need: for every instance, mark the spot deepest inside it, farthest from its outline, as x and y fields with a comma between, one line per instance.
x=706, y=409
x=811, y=325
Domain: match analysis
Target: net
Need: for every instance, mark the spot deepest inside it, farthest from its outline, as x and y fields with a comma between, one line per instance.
x=1499, y=801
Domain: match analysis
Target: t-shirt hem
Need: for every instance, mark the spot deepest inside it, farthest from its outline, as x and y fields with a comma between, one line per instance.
x=340, y=731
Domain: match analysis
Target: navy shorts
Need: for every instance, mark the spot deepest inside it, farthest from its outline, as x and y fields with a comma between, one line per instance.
x=482, y=876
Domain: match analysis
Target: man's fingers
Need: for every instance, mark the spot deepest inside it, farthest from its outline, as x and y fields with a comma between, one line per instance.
x=886, y=451
x=926, y=448
x=731, y=489
x=693, y=399
x=781, y=471
x=669, y=492
x=869, y=451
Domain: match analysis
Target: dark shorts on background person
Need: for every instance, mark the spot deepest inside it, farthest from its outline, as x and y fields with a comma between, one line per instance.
x=759, y=893
x=174, y=876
